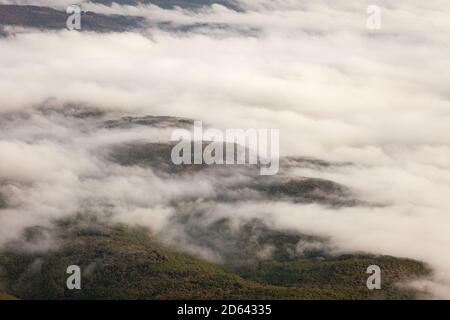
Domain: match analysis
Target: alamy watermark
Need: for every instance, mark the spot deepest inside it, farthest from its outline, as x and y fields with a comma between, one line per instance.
x=74, y=19
x=374, y=280
x=231, y=146
x=74, y=280
x=374, y=19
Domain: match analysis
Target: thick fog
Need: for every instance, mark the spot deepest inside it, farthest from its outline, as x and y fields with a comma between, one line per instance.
x=378, y=99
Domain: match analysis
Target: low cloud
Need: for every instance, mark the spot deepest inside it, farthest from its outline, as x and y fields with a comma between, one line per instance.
x=337, y=91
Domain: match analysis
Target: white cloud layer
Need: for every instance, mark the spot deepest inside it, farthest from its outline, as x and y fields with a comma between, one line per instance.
x=339, y=92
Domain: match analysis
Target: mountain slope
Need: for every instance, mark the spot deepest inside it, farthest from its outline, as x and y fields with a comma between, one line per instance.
x=120, y=262
x=48, y=18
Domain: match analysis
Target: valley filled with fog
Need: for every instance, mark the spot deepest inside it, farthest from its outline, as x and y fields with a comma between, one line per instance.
x=363, y=117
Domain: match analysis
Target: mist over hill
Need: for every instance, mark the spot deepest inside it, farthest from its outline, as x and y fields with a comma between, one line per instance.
x=86, y=175
x=170, y=4
x=130, y=210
